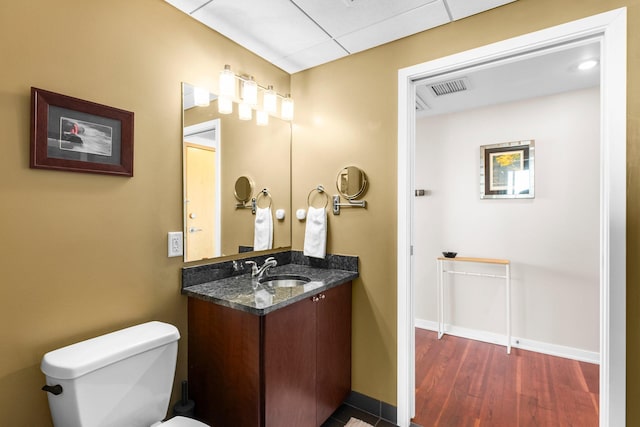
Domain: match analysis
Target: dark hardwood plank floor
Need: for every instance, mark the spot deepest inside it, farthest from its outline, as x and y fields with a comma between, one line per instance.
x=461, y=382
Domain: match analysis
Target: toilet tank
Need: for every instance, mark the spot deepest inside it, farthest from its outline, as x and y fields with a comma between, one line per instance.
x=123, y=378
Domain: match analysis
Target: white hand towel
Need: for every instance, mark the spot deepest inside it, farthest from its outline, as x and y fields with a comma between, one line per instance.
x=315, y=233
x=263, y=231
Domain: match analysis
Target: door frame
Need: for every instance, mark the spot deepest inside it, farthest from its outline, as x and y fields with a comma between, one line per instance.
x=610, y=29
x=216, y=143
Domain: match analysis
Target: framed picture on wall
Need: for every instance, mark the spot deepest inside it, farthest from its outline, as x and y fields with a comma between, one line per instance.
x=71, y=134
x=507, y=170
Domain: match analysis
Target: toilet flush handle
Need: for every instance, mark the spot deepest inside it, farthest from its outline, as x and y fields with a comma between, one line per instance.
x=53, y=389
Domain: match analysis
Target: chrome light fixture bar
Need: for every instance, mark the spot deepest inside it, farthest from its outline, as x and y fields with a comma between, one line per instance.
x=244, y=91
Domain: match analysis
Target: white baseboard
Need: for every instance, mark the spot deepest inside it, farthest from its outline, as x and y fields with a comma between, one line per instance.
x=516, y=342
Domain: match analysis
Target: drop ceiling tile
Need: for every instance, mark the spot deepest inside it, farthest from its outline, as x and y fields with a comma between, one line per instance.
x=462, y=8
x=319, y=54
x=340, y=17
x=423, y=18
x=271, y=29
x=187, y=6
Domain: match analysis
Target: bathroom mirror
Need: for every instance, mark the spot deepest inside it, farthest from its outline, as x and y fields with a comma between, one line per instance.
x=351, y=182
x=243, y=189
x=225, y=161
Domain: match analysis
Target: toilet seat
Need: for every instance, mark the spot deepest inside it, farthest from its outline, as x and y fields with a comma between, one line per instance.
x=182, y=422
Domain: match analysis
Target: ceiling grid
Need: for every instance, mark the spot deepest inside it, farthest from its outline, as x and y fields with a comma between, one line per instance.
x=299, y=34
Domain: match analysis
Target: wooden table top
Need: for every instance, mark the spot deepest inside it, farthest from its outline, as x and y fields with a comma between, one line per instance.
x=469, y=259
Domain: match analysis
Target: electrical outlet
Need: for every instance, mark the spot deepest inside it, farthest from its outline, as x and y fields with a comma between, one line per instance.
x=175, y=243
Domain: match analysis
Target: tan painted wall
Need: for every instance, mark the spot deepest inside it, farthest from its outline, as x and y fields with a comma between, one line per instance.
x=353, y=120
x=86, y=254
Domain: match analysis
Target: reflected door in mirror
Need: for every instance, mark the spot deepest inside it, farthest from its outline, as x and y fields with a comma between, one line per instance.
x=200, y=202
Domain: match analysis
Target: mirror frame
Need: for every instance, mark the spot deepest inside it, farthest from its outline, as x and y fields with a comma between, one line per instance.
x=363, y=186
x=249, y=182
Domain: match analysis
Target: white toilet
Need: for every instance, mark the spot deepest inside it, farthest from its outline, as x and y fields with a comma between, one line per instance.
x=115, y=380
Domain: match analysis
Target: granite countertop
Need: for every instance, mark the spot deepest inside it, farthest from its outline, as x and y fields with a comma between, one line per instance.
x=244, y=293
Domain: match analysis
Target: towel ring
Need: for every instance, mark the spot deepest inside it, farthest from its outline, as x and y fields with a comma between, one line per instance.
x=320, y=190
x=264, y=193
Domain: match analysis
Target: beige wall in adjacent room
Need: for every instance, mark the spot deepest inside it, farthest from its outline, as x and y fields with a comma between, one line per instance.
x=346, y=113
x=86, y=254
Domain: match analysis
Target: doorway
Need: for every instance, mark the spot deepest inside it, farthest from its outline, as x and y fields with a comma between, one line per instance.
x=609, y=31
x=202, y=198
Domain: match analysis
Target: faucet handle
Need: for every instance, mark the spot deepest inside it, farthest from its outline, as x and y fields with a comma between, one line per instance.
x=254, y=267
x=271, y=259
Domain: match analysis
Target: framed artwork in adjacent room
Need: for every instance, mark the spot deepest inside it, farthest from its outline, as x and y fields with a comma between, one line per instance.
x=507, y=170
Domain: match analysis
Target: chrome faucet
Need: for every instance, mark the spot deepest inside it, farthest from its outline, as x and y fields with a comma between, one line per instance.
x=260, y=271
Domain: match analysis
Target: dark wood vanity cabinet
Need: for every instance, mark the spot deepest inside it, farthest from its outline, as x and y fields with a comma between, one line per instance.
x=290, y=367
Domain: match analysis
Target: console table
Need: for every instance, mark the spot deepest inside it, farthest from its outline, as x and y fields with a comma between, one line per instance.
x=441, y=281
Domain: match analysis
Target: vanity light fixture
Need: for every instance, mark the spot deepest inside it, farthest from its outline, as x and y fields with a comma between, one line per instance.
x=248, y=98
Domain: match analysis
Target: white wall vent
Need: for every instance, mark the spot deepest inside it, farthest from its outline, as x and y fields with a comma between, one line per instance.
x=450, y=86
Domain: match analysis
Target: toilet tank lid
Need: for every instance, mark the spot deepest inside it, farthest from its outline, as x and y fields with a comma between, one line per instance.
x=81, y=358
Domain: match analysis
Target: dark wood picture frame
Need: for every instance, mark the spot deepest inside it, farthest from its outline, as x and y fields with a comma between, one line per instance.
x=72, y=134
x=507, y=170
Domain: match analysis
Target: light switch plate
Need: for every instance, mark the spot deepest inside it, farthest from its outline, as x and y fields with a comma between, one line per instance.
x=175, y=243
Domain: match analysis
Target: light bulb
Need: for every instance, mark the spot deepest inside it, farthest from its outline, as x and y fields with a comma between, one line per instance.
x=287, y=108
x=244, y=111
x=587, y=65
x=225, y=105
x=269, y=101
x=250, y=91
x=227, y=83
x=201, y=96
x=262, y=118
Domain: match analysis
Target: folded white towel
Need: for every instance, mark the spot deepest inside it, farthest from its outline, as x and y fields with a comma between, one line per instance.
x=263, y=231
x=315, y=233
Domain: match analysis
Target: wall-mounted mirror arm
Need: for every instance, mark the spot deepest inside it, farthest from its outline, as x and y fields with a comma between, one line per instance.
x=351, y=183
x=351, y=204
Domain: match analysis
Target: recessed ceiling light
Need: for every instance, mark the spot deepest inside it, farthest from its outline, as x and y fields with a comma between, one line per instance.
x=587, y=65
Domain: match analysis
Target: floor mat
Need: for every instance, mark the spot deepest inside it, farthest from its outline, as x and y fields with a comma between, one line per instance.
x=353, y=422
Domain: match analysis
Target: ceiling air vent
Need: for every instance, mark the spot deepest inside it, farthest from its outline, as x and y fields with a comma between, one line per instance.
x=450, y=86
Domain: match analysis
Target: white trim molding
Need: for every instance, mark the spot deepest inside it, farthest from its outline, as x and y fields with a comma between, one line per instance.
x=516, y=342
x=610, y=30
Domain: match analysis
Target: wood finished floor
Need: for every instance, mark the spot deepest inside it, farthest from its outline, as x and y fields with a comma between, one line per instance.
x=461, y=382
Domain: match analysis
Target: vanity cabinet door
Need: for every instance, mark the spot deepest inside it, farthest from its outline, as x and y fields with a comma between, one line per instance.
x=333, y=365
x=224, y=365
x=290, y=365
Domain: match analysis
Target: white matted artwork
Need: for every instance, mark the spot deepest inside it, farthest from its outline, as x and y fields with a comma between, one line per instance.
x=507, y=170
